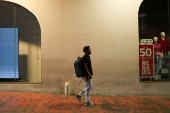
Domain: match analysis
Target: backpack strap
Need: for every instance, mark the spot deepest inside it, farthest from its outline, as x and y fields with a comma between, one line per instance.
x=79, y=57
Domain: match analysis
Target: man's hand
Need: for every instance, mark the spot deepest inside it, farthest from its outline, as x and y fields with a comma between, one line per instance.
x=89, y=76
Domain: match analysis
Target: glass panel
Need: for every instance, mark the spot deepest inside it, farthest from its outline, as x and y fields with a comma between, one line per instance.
x=29, y=41
x=8, y=37
x=20, y=44
x=9, y=53
x=0, y=53
x=154, y=39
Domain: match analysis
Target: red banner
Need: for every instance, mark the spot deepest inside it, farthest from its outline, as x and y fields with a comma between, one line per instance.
x=146, y=63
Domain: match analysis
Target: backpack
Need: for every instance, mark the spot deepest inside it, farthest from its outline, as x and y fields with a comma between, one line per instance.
x=79, y=68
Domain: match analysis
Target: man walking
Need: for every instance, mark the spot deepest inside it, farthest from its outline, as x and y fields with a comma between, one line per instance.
x=87, y=78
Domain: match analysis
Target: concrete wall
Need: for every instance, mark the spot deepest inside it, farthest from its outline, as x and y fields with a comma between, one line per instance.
x=110, y=27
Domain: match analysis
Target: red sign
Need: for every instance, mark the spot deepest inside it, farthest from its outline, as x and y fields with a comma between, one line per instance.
x=146, y=53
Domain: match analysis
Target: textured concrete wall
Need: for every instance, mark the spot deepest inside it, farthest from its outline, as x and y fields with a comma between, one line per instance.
x=110, y=27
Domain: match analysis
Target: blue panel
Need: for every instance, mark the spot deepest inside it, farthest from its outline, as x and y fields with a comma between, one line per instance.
x=0, y=54
x=9, y=52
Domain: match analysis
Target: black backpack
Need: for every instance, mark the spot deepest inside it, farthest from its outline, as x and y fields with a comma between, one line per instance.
x=79, y=68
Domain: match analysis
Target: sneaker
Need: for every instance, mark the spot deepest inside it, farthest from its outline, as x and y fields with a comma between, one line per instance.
x=88, y=103
x=78, y=98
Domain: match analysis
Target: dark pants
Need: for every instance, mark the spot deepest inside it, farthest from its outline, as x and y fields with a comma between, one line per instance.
x=164, y=61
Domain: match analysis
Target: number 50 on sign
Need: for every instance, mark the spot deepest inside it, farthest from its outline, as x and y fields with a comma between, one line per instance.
x=146, y=57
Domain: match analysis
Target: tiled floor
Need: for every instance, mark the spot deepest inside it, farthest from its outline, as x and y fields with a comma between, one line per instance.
x=19, y=102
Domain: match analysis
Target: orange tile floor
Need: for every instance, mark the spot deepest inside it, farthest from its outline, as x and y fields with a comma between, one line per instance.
x=20, y=102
